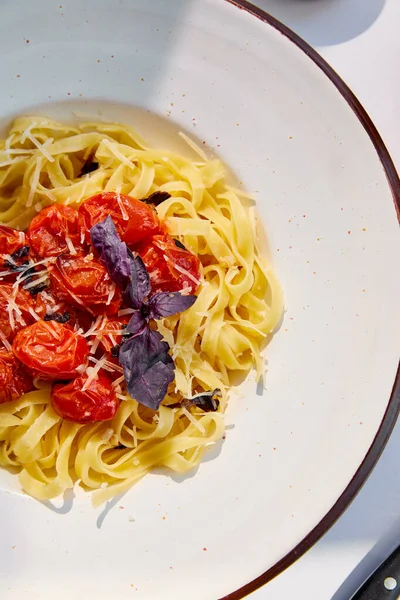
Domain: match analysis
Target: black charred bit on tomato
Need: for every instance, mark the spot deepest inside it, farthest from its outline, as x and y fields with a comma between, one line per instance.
x=34, y=291
x=89, y=167
x=59, y=317
x=18, y=268
x=179, y=244
x=20, y=253
x=206, y=401
x=115, y=350
x=156, y=198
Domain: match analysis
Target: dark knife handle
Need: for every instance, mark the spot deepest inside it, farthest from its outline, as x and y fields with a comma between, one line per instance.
x=384, y=583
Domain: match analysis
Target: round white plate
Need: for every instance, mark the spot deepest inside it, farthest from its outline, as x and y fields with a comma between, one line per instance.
x=291, y=131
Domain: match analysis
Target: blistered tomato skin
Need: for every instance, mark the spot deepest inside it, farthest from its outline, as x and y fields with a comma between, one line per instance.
x=14, y=381
x=133, y=219
x=11, y=240
x=50, y=350
x=171, y=268
x=54, y=231
x=84, y=284
x=75, y=403
x=111, y=335
x=22, y=315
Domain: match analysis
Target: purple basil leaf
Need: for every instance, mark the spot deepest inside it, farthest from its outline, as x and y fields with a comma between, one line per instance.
x=136, y=323
x=148, y=368
x=113, y=252
x=165, y=304
x=151, y=386
x=140, y=282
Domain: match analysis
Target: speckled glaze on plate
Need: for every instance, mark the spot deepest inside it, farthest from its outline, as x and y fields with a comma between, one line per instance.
x=293, y=134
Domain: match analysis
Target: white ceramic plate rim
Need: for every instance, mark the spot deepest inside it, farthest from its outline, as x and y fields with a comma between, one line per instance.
x=393, y=408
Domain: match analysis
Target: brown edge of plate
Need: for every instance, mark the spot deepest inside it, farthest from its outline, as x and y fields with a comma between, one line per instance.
x=393, y=409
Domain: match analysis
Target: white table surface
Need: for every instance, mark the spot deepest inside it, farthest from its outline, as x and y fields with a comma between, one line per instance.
x=361, y=40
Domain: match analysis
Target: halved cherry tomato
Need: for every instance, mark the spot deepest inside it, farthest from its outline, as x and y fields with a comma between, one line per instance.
x=85, y=285
x=21, y=315
x=171, y=268
x=14, y=381
x=50, y=350
x=109, y=339
x=97, y=403
x=133, y=219
x=11, y=240
x=50, y=230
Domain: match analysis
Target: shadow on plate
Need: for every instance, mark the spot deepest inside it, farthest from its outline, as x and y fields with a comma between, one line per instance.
x=66, y=506
x=325, y=22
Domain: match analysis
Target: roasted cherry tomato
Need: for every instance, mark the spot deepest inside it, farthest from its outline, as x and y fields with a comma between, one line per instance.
x=75, y=403
x=111, y=334
x=13, y=253
x=50, y=350
x=11, y=240
x=171, y=267
x=85, y=284
x=14, y=381
x=133, y=219
x=55, y=230
x=15, y=310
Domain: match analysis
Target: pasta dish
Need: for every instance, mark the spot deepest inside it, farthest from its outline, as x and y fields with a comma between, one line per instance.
x=132, y=290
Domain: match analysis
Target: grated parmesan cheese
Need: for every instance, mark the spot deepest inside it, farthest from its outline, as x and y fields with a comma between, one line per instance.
x=182, y=270
x=12, y=307
x=34, y=314
x=112, y=146
x=81, y=369
x=34, y=183
x=118, y=381
x=187, y=273
x=124, y=214
x=27, y=132
x=126, y=311
x=134, y=436
x=112, y=339
x=83, y=192
x=78, y=300
x=93, y=327
x=36, y=282
x=41, y=147
x=114, y=366
x=31, y=265
x=70, y=245
x=28, y=276
x=193, y=420
x=96, y=342
x=194, y=146
x=111, y=294
x=50, y=299
x=92, y=372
